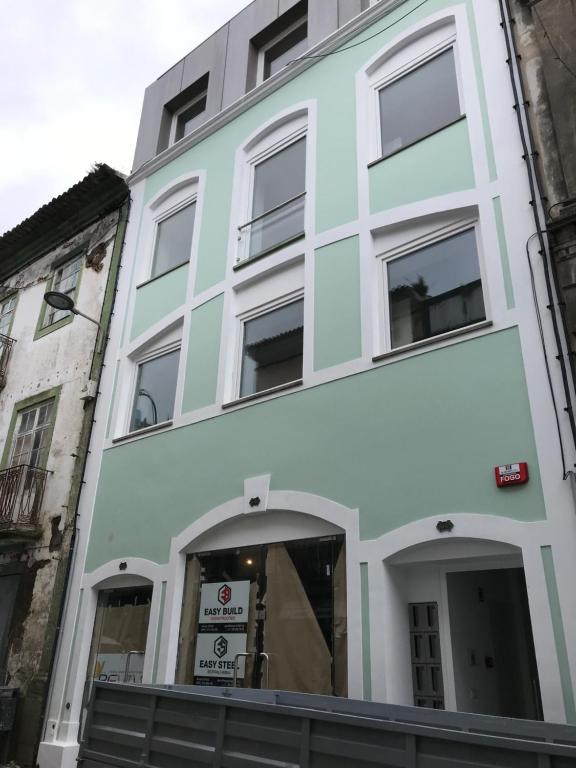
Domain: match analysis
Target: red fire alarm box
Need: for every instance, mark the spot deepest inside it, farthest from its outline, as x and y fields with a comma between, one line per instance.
x=511, y=474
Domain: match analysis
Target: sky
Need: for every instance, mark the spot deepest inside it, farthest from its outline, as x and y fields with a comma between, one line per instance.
x=73, y=80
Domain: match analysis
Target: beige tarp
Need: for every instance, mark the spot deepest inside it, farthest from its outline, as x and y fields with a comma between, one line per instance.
x=299, y=657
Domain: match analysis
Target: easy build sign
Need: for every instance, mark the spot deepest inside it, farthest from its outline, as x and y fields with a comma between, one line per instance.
x=222, y=631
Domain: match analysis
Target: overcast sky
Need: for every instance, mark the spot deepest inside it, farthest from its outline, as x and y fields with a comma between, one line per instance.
x=73, y=79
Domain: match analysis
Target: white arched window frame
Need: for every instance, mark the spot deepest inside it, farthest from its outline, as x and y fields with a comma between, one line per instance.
x=181, y=194
x=282, y=133
x=401, y=58
x=163, y=343
x=414, y=237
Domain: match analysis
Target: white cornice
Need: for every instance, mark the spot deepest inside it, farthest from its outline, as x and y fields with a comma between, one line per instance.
x=326, y=46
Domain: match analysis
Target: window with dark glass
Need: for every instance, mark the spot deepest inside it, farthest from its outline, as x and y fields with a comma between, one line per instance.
x=292, y=45
x=155, y=391
x=190, y=117
x=435, y=289
x=419, y=103
x=272, y=349
x=173, y=240
x=32, y=435
x=65, y=281
x=278, y=199
x=7, y=308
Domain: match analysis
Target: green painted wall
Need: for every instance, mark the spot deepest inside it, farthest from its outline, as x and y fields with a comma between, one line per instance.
x=337, y=323
x=559, y=635
x=158, y=298
x=366, y=652
x=415, y=438
x=203, y=354
x=330, y=85
x=435, y=166
x=504, y=258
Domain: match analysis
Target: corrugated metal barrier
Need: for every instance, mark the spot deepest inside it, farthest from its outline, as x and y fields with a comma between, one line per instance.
x=190, y=726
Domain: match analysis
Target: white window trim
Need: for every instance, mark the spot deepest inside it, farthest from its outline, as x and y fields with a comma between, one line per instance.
x=129, y=376
x=176, y=115
x=399, y=60
x=434, y=235
x=166, y=214
x=241, y=320
x=303, y=20
x=167, y=205
x=281, y=139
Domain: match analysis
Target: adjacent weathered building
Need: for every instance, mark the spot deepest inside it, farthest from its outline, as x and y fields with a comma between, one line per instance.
x=50, y=363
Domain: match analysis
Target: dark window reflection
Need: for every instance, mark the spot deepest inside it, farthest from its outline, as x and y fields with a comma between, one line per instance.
x=277, y=181
x=285, y=50
x=272, y=349
x=419, y=103
x=435, y=290
x=174, y=240
x=155, y=391
x=190, y=118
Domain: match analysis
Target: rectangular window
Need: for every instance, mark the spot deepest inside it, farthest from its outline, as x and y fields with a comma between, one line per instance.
x=419, y=103
x=190, y=116
x=7, y=308
x=65, y=281
x=155, y=391
x=289, y=47
x=278, y=199
x=435, y=289
x=32, y=435
x=272, y=349
x=173, y=240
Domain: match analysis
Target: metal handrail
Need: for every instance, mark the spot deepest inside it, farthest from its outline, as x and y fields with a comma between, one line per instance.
x=272, y=210
x=21, y=494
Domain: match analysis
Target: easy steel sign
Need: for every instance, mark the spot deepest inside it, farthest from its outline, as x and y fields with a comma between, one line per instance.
x=222, y=631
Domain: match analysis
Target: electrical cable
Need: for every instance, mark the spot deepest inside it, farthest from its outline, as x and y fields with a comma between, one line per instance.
x=546, y=364
x=551, y=44
x=361, y=42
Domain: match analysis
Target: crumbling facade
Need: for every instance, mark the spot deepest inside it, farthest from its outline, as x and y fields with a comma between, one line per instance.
x=49, y=366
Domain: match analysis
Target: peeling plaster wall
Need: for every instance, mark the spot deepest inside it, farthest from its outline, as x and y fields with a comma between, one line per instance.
x=60, y=359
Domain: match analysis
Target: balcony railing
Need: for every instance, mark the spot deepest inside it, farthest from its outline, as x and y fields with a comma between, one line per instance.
x=21, y=493
x=271, y=230
x=6, y=344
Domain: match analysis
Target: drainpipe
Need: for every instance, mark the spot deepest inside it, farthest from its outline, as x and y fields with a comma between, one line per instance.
x=100, y=345
x=521, y=109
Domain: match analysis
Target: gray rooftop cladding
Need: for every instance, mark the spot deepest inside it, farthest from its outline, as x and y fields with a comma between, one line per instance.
x=230, y=58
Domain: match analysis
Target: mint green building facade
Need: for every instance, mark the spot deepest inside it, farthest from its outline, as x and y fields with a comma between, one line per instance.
x=381, y=445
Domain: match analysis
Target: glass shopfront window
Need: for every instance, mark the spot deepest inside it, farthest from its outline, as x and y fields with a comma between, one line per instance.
x=269, y=616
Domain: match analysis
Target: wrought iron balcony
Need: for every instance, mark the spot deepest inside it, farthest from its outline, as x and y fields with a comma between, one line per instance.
x=6, y=344
x=21, y=493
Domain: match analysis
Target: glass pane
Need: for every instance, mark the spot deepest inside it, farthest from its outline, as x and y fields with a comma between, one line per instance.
x=272, y=349
x=279, y=178
x=419, y=103
x=435, y=290
x=174, y=240
x=119, y=638
x=190, y=118
x=283, y=600
x=277, y=227
x=65, y=281
x=155, y=391
x=286, y=50
x=277, y=181
x=6, y=313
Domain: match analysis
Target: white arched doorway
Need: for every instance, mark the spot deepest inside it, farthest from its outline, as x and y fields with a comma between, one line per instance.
x=289, y=575
x=456, y=626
